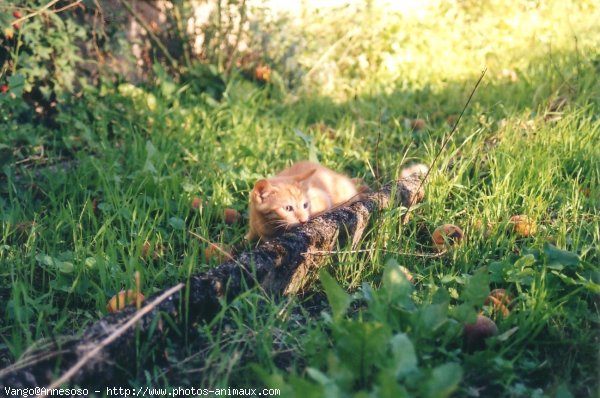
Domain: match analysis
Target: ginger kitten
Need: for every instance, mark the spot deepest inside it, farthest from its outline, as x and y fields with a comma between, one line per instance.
x=294, y=195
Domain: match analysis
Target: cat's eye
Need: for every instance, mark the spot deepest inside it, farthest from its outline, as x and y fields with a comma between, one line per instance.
x=306, y=205
x=289, y=208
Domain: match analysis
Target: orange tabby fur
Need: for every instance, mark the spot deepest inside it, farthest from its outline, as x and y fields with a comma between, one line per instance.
x=294, y=195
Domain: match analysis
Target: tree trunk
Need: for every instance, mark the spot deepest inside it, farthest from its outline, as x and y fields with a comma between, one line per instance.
x=278, y=265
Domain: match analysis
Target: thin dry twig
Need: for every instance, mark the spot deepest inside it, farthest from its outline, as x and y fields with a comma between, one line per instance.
x=36, y=12
x=30, y=361
x=44, y=8
x=237, y=38
x=122, y=329
x=377, y=174
x=422, y=255
x=449, y=136
x=68, y=6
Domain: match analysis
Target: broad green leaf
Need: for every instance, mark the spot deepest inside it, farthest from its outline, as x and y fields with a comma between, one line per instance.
x=524, y=276
x=45, y=259
x=562, y=391
x=395, y=285
x=555, y=266
x=526, y=261
x=441, y=296
x=367, y=292
x=61, y=284
x=331, y=388
x=338, y=299
x=66, y=267
x=464, y=313
x=177, y=223
x=477, y=288
x=189, y=186
x=47, y=92
x=125, y=213
x=16, y=83
x=151, y=153
x=310, y=144
x=149, y=166
x=556, y=256
x=290, y=386
x=405, y=358
x=591, y=286
x=151, y=150
x=536, y=253
x=67, y=255
x=444, y=380
x=432, y=316
x=361, y=345
x=388, y=387
x=498, y=271
x=105, y=207
x=90, y=262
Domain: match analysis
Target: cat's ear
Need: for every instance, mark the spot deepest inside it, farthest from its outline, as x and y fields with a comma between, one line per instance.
x=305, y=176
x=261, y=190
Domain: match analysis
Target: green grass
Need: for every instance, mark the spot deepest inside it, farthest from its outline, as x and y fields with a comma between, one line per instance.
x=71, y=239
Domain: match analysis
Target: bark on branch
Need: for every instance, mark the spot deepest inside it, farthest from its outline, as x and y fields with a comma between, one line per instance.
x=278, y=265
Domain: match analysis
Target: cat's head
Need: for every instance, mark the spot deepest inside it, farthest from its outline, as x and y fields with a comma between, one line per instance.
x=282, y=201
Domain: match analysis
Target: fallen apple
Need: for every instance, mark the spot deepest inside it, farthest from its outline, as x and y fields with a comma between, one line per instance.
x=231, y=216
x=418, y=124
x=476, y=333
x=500, y=300
x=219, y=252
x=123, y=299
x=523, y=226
x=196, y=202
x=446, y=236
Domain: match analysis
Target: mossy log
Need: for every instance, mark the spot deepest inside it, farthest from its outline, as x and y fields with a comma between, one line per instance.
x=279, y=265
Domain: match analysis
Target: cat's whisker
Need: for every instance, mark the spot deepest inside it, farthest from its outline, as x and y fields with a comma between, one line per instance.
x=279, y=224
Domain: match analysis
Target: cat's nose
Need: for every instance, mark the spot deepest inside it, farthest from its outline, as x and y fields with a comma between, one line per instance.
x=303, y=221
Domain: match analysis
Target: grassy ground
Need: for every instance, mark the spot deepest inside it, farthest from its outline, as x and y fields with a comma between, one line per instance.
x=131, y=160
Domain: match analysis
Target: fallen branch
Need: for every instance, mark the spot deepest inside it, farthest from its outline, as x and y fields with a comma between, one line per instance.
x=279, y=266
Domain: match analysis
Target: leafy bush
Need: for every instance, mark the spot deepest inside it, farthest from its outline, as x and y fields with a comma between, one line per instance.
x=41, y=56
